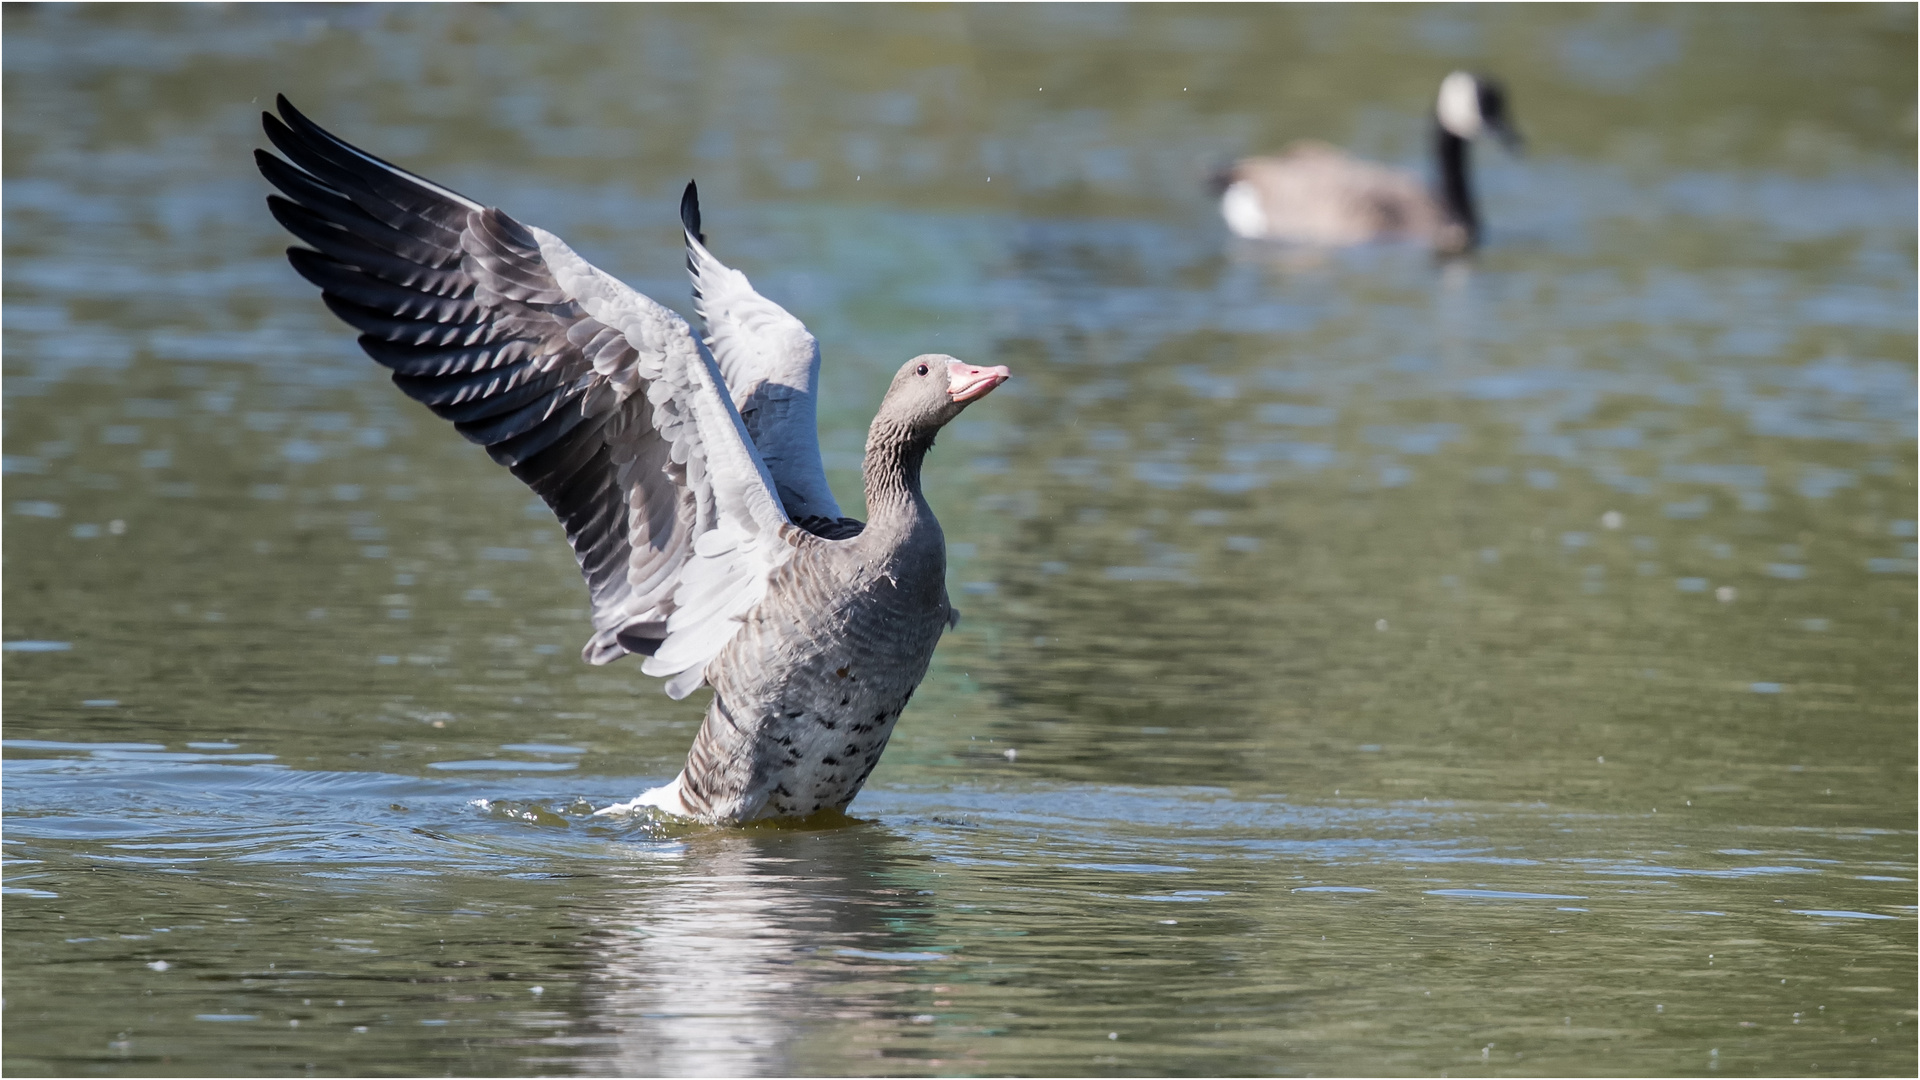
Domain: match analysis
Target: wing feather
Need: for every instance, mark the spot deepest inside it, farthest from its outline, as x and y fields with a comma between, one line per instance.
x=770, y=365
x=602, y=401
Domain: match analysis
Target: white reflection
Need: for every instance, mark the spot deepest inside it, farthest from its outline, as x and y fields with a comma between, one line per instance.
x=714, y=969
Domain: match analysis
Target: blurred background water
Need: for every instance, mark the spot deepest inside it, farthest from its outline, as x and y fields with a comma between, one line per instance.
x=1369, y=666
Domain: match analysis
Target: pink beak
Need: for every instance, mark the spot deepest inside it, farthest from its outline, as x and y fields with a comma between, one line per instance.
x=966, y=382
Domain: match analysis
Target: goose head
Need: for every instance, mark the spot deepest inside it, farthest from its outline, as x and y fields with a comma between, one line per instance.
x=1470, y=106
x=929, y=391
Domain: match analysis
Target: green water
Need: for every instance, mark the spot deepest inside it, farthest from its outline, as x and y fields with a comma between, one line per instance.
x=1368, y=666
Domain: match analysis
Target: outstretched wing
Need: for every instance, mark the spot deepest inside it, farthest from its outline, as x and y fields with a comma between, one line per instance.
x=599, y=399
x=772, y=367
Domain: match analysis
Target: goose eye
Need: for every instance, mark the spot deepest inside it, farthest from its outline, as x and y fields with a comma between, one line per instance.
x=921, y=370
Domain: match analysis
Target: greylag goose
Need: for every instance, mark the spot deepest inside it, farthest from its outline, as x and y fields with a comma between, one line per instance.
x=1313, y=193
x=686, y=472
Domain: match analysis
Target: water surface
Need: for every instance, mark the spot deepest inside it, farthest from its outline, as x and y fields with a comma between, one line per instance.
x=1368, y=666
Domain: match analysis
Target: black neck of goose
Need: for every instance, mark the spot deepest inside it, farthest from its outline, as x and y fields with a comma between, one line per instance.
x=1450, y=155
x=892, y=469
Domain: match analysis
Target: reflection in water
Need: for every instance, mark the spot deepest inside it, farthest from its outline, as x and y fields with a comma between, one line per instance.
x=722, y=955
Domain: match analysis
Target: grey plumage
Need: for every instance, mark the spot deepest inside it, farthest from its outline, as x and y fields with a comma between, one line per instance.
x=686, y=471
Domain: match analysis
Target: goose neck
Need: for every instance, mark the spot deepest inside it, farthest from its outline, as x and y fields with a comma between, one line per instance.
x=892, y=473
x=1451, y=155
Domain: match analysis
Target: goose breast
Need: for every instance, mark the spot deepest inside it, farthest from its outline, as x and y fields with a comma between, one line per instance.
x=811, y=686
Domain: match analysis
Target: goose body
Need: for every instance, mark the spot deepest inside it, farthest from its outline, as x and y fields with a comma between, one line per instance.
x=1314, y=193
x=807, y=692
x=685, y=468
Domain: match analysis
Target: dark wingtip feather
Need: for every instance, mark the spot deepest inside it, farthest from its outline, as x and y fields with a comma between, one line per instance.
x=292, y=116
x=270, y=166
x=323, y=153
x=283, y=138
x=296, y=124
x=284, y=107
x=690, y=212
x=293, y=121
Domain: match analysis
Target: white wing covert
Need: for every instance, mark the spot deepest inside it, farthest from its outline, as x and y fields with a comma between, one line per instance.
x=771, y=366
x=604, y=402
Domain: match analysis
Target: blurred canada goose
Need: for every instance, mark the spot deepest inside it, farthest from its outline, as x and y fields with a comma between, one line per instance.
x=686, y=469
x=1313, y=193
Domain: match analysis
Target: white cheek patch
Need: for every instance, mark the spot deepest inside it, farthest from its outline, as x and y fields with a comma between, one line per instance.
x=1240, y=205
x=1458, y=107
